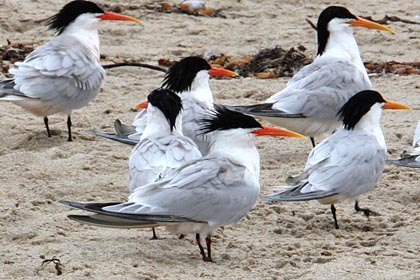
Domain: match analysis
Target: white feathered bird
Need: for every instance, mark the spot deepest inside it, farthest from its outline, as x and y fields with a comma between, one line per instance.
x=349, y=162
x=202, y=195
x=190, y=79
x=162, y=147
x=64, y=74
x=312, y=98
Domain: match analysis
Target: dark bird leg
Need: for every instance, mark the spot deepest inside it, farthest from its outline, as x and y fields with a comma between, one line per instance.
x=208, y=243
x=312, y=141
x=334, y=216
x=366, y=211
x=154, y=237
x=46, y=126
x=70, y=139
x=203, y=254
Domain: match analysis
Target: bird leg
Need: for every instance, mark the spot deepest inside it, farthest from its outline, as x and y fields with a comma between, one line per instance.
x=70, y=139
x=154, y=237
x=312, y=141
x=208, y=243
x=46, y=126
x=334, y=216
x=366, y=211
x=202, y=252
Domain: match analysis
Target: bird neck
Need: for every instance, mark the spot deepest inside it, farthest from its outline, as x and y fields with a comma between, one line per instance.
x=370, y=123
x=238, y=146
x=158, y=125
x=85, y=30
x=341, y=44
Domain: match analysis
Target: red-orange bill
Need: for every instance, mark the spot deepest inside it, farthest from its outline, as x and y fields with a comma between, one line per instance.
x=115, y=16
x=219, y=72
x=276, y=131
x=142, y=105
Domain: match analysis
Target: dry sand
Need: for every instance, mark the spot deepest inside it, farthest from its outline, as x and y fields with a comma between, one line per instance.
x=275, y=241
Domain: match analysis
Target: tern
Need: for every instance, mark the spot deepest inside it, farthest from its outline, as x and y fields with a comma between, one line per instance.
x=64, y=74
x=162, y=147
x=349, y=162
x=314, y=95
x=411, y=158
x=190, y=79
x=202, y=195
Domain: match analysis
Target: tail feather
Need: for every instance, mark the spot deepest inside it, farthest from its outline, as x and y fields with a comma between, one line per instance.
x=110, y=221
x=263, y=110
x=7, y=87
x=295, y=194
x=413, y=162
x=150, y=218
x=123, y=129
x=119, y=138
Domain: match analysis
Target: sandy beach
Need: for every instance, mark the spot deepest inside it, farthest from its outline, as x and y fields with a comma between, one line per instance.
x=275, y=240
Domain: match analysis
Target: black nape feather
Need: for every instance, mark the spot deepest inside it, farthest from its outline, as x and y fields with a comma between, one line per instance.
x=357, y=106
x=168, y=102
x=181, y=75
x=70, y=12
x=222, y=118
x=325, y=17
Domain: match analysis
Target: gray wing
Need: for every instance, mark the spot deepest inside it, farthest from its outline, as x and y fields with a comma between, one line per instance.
x=113, y=136
x=122, y=133
x=62, y=71
x=152, y=159
x=413, y=161
x=263, y=110
x=211, y=189
x=341, y=165
x=109, y=219
x=192, y=114
x=320, y=89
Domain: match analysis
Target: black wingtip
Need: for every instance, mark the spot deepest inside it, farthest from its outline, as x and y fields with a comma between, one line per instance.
x=405, y=162
x=93, y=207
x=113, y=136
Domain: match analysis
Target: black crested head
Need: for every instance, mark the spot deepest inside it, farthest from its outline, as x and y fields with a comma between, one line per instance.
x=168, y=102
x=181, y=75
x=70, y=12
x=357, y=106
x=222, y=118
x=325, y=17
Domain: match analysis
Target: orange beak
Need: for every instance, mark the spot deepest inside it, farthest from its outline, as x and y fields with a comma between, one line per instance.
x=395, y=106
x=275, y=131
x=219, y=72
x=142, y=105
x=115, y=16
x=369, y=24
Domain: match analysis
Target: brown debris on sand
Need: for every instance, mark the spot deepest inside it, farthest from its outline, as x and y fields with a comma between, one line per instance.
x=166, y=7
x=266, y=64
x=13, y=52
